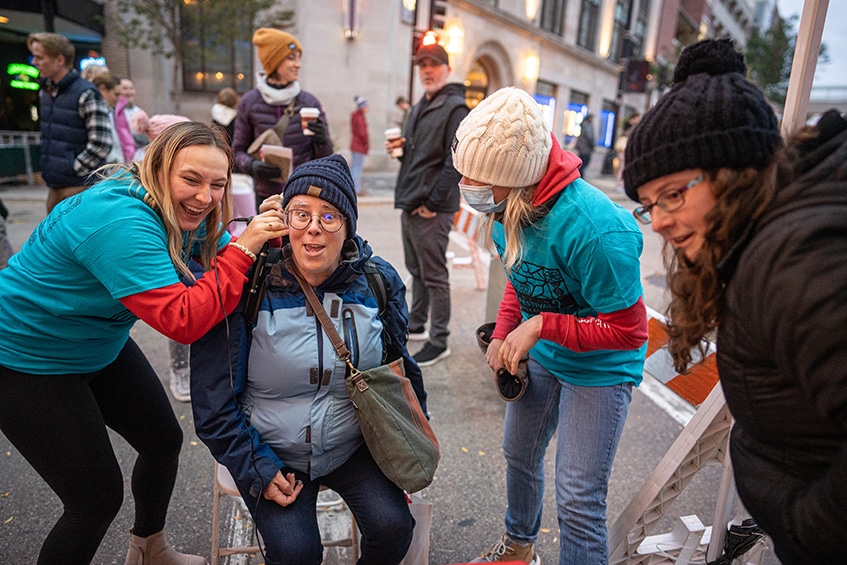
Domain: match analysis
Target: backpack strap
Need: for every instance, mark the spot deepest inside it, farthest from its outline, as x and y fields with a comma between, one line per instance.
x=257, y=283
x=376, y=282
x=269, y=256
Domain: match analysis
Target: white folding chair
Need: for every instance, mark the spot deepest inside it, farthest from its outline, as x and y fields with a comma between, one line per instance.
x=225, y=486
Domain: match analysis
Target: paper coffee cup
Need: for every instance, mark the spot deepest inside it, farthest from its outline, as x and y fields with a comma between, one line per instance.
x=393, y=134
x=306, y=116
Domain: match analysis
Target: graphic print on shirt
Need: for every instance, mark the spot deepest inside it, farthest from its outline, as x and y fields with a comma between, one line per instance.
x=540, y=289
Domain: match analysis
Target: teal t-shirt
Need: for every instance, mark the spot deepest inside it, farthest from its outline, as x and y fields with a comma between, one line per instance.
x=60, y=310
x=582, y=258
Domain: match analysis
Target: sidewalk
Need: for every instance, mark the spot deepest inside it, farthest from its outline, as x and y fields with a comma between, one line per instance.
x=379, y=187
x=467, y=415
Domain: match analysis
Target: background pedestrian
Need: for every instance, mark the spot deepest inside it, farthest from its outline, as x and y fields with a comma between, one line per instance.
x=276, y=103
x=427, y=192
x=360, y=143
x=76, y=134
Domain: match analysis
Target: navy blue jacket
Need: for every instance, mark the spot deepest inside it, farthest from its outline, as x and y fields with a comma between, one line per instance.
x=63, y=133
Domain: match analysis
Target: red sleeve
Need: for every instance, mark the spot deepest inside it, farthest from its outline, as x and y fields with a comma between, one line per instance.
x=624, y=329
x=185, y=313
x=509, y=314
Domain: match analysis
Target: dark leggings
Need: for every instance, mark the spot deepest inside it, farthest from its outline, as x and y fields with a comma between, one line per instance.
x=58, y=423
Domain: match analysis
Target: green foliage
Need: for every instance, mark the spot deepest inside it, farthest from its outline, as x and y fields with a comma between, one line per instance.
x=157, y=25
x=770, y=54
x=148, y=24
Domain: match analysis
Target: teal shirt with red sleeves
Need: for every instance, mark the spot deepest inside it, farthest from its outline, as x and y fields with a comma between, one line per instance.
x=61, y=310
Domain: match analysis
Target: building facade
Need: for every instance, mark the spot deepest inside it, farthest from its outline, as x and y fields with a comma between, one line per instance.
x=569, y=54
x=81, y=21
x=565, y=52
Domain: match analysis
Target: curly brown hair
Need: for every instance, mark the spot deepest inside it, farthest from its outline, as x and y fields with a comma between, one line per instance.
x=697, y=291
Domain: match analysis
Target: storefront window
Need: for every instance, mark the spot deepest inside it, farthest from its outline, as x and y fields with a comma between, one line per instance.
x=587, y=35
x=574, y=114
x=476, y=85
x=553, y=15
x=217, y=51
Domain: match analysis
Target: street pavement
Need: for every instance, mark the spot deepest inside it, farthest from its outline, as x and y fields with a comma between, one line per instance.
x=468, y=493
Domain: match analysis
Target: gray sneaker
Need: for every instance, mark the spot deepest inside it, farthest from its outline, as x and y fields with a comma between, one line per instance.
x=506, y=549
x=180, y=384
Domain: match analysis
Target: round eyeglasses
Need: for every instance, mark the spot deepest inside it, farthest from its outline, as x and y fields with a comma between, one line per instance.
x=669, y=201
x=302, y=219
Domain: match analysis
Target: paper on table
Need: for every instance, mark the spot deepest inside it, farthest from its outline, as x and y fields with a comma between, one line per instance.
x=280, y=156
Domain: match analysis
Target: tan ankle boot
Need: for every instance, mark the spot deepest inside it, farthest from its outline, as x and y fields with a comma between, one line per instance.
x=155, y=550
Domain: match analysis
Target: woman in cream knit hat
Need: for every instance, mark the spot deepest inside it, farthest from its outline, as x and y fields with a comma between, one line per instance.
x=572, y=303
x=275, y=104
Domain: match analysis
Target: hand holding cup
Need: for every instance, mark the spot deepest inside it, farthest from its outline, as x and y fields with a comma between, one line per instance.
x=394, y=142
x=308, y=115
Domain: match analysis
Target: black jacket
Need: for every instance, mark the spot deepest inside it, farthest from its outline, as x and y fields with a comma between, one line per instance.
x=782, y=358
x=427, y=175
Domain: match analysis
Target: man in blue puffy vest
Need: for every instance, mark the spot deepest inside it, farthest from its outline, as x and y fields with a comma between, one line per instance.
x=76, y=134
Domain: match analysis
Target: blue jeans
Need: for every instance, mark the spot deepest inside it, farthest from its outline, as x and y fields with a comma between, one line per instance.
x=589, y=422
x=357, y=163
x=291, y=533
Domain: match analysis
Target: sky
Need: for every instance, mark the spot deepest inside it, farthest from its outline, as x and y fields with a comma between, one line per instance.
x=834, y=36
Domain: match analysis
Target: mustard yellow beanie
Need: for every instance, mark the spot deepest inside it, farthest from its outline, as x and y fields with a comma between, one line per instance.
x=274, y=46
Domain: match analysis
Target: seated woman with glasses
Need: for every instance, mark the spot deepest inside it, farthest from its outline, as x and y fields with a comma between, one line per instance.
x=756, y=241
x=269, y=396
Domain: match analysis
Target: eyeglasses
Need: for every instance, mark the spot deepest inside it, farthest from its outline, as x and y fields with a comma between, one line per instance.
x=668, y=201
x=302, y=219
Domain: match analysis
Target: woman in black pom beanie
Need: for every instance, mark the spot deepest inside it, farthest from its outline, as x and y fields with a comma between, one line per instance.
x=756, y=242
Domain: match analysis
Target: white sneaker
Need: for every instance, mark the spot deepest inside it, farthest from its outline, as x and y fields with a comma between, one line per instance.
x=180, y=384
x=422, y=335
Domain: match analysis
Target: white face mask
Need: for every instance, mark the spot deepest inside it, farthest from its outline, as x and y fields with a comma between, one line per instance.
x=481, y=198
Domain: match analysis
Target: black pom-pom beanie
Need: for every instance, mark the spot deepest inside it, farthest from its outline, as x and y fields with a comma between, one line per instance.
x=329, y=179
x=712, y=118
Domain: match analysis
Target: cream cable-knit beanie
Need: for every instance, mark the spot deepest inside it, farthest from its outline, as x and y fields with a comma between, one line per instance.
x=504, y=141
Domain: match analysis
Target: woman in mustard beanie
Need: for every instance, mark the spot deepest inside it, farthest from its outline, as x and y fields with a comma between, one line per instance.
x=275, y=104
x=756, y=250
x=572, y=303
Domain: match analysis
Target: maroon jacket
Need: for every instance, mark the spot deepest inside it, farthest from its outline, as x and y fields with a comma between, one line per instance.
x=255, y=116
x=359, y=127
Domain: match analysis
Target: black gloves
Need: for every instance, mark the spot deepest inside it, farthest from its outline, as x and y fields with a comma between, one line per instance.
x=262, y=170
x=319, y=129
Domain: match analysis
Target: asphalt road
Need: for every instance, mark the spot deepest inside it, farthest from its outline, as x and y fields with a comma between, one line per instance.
x=468, y=493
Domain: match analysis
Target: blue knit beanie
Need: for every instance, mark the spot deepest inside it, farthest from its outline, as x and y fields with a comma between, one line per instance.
x=329, y=179
x=360, y=102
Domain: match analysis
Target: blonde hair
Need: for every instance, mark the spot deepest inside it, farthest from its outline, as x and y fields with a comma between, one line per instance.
x=54, y=45
x=153, y=173
x=518, y=215
x=105, y=79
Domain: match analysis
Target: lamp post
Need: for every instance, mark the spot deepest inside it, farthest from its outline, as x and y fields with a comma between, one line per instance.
x=416, y=37
x=628, y=49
